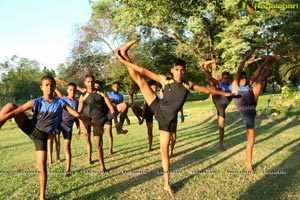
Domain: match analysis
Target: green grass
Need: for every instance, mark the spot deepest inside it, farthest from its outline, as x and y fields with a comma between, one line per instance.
x=200, y=170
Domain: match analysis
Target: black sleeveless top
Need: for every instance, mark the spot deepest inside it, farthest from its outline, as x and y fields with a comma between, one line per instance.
x=94, y=104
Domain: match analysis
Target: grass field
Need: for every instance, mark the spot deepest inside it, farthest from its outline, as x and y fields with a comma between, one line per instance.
x=199, y=170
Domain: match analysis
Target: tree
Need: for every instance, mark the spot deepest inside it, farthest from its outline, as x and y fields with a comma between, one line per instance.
x=20, y=79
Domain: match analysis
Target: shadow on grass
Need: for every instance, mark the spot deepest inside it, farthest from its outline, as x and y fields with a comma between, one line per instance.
x=190, y=157
x=235, y=141
x=276, y=181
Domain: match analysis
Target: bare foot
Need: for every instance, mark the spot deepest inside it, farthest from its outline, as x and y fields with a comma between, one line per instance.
x=204, y=65
x=169, y=189
x=58, y=160
x=103, y=170
x=141, y=121
x=111, y=152
x=222, y=148
x=126, y=47
x=121, y=131
x=90, y=162
x=68, y=173
x=249, y=170
x=50, y=162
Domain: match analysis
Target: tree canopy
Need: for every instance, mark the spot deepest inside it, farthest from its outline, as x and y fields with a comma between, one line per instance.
x=219, y=30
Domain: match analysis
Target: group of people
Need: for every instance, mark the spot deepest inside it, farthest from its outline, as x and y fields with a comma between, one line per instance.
x=97, y=108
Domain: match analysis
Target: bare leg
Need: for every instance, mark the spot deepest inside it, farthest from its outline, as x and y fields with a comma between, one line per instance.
x=150, y=135
x=99, y=145
x=122, y=109
x=204, y=67
x=147, y=92
x=50, y=151
x=41, y=157
x=221, y=122
x=173, y=138
x=87, y=139
x=127, y=120
x=267, y=64
x=57, y=145
x=165, y=159
x=67, y=148
x=137, y=111
x=19, y=119
x=110, y=138
x=249, y=149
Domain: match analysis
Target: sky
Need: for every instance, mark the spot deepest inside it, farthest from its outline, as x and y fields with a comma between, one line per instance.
x=42, y=30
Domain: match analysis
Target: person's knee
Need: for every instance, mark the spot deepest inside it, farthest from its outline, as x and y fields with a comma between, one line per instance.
x=11, y=106
x=122, y=107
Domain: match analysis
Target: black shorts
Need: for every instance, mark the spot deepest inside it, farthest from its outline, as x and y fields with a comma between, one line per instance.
x=100, y=120
x=67, y=134
x=164, y=122
x=248, y=117
x=39, y=138
x=220, y=105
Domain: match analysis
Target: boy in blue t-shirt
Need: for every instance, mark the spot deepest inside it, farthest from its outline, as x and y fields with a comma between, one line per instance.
x=66, y=125
x=47, y=115
x=221, y=102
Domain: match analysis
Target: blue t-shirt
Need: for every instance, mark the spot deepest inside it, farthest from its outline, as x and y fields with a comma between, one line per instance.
x=68, y=119
x=48, y=115
x=225, y=88
x=222, y=100
x=117, y=97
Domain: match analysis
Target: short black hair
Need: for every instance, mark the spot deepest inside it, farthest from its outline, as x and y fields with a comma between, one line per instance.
x=243, y=73
x=179, y=62
x=98, y=82
x=90, y=76
x=225, y=73
x=116, y=82
x=72, y=84
x=48, y=77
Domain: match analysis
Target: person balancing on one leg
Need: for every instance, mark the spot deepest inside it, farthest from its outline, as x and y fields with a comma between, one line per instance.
x=47, y=114
x=166, y=109
x=221, y=102
x=249, y=91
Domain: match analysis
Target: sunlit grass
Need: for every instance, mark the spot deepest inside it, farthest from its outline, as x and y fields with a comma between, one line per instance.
x=199, y=170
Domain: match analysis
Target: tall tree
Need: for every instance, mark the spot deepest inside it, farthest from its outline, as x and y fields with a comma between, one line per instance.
x=20, y=79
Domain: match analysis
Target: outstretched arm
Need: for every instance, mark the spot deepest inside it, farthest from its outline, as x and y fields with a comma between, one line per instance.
x=82, y=117
x=60, y=80
x=206, y=90
x=59, y=93
x=111, y=108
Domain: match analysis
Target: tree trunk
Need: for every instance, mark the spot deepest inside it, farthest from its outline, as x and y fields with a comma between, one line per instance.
x=212, y=55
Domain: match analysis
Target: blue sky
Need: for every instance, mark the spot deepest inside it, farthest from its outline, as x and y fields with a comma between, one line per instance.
x=40, y=29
